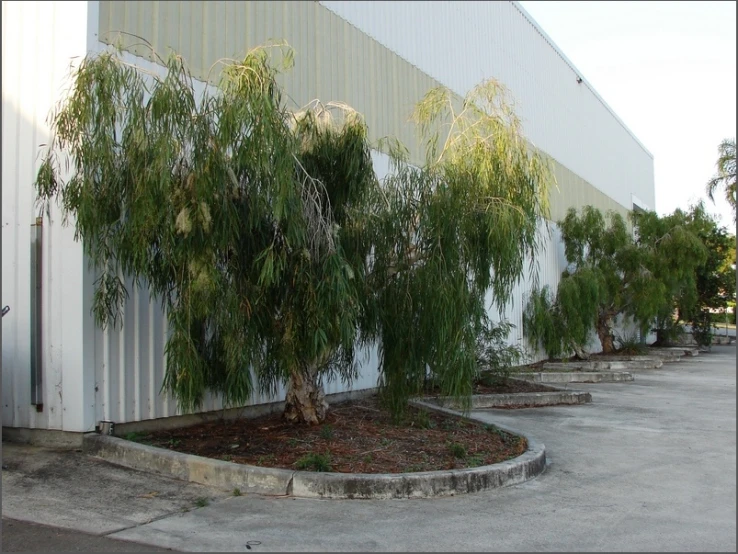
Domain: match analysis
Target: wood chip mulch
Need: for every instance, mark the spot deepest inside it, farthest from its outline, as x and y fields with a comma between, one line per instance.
x=357, y=437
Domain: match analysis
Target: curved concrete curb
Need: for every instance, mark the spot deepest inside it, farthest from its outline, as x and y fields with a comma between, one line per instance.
x=668, y=356
x=575, y=377
x=481, y=401
x=270, y=481
x=630, y=362
x=677, y=351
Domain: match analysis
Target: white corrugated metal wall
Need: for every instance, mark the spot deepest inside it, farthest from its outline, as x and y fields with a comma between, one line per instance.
x=39, y=41
x=460, y=43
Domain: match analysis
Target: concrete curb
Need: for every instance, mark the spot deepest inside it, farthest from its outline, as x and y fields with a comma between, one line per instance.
x=645, y=358
x=668, y=356
x=196, y=469
x=717, y=340
x=270, y=481
x=482, y=401
x=635, y=362
x=678, y=351
x=575, y=377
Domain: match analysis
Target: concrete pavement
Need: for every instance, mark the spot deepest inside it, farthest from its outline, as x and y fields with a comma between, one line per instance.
x=69, y=490
x=21, y=536
x=650, y=465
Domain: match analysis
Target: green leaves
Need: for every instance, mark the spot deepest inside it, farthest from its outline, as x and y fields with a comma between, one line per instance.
x=453, y=230
x=562, y=324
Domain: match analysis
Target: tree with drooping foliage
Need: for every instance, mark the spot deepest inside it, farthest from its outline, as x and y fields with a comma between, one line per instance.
x=715, y=279
x=234, y=211
x=462, y=224
x=562, y=323
x=714, y=283
x=614, y=274
x=270, y=242
x=673, y=252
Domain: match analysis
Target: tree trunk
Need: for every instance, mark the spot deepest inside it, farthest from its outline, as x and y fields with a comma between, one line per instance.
x=305, y=400
x=604, y=332
x=580, y=353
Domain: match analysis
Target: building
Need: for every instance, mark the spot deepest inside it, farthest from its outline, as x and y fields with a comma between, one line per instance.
x=61, y=373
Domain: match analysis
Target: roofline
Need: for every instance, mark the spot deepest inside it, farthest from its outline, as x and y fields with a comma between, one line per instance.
x=578, y=73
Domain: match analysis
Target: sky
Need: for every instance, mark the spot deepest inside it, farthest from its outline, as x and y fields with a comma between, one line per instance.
x=668, y=69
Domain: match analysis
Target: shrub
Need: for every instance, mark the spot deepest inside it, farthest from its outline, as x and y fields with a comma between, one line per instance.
x=669, y=332
x=326, y=432
x=702, y=329
x=630, y=344
x=457, y=450
x=314, y=462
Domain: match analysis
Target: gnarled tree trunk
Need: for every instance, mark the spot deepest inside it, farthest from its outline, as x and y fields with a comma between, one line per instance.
x=604, y=332
x=305, y=400
x=580, y=352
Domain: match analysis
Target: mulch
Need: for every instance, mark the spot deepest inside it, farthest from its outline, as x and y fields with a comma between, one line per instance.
x=358, y=436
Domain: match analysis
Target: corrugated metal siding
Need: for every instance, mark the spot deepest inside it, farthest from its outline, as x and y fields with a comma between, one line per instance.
x=460, y=43
x=384, y=78
x=39, y=41
x=333, y=60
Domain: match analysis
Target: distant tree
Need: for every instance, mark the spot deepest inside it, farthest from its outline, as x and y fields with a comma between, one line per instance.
x=613, y=274
x=725, y=176
x=562, y=322
x=714, y=284
x=715, y=281
x=674, y=253
x=272, y=245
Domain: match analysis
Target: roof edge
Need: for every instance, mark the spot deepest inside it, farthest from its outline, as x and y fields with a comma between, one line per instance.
x=578, y=73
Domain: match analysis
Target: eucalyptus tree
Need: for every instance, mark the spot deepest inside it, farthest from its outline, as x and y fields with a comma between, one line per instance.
x=460, y=225
x=674, y=253
x=614, y=273
x=713, y=283
x=268, y=239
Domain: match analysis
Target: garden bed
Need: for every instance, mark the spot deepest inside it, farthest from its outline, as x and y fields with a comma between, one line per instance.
x=357, y=437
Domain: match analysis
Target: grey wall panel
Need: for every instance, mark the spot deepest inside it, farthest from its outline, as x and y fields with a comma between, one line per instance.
x=460, y=43
x=335, y=60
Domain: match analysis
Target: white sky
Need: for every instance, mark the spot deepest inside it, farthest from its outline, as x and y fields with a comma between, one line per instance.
x=668, y=69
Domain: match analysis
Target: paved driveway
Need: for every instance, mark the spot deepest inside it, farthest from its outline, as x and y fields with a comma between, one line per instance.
x=648, y=466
